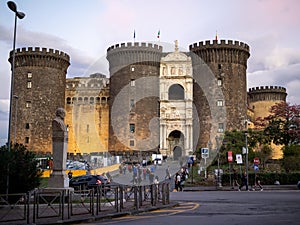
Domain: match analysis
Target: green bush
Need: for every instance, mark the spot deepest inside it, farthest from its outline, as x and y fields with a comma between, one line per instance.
x=23, y=172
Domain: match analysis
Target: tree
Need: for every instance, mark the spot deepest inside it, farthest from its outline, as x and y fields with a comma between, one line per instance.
x=234, y=141
x=291, y=158
x=282, y=126
x=23, y=172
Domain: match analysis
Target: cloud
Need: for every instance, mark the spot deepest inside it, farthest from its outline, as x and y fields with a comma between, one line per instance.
x=286, y=76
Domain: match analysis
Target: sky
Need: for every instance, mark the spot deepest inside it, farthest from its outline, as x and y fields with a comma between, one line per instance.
x=85, y=29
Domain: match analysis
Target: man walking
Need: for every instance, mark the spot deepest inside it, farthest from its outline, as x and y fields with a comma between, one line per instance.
x=244, y=182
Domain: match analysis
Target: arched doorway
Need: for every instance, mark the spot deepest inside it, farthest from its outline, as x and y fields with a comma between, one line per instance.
x=176, y=144
x=177, y=152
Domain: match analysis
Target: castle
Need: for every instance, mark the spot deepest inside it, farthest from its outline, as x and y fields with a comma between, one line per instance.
x=153, y=101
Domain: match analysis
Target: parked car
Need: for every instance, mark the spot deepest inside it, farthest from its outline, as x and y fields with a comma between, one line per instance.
x=87, y=182
x=298, y=184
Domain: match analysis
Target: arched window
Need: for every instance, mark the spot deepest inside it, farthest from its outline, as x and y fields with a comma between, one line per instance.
x=74, y=100
x=176, y=92
x=86, y=100
x=68, y=100
x=91, y=100
x=97, y=100
x=103, y=100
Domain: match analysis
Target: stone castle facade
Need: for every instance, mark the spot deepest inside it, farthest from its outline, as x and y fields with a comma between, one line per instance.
x=172, y=103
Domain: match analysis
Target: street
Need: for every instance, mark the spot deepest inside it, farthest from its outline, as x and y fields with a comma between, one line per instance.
x=222, y=207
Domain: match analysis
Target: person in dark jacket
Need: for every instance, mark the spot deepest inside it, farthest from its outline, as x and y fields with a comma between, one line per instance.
x=244, y=182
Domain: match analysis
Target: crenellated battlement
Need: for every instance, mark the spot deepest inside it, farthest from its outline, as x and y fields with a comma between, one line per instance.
x=135, y=45
x=220, y=44
x=267, y=89
x=36, y=56
x=125, y=54
x=267, y=93
x=38, y=50
x=221, y=51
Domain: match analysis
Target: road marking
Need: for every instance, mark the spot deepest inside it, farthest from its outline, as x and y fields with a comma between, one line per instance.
x=182, y=207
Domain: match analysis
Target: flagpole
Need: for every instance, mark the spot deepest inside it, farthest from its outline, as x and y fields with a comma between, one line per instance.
x=133, y=36
x=158, y=35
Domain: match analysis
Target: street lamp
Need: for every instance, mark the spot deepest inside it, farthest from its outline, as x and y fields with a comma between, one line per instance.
x=246, y=143
x=16, y=117
x=13, y=7
x=218, y=173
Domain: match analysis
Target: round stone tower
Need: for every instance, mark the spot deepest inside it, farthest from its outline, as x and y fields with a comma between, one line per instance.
x=219, y=70
x=134, y=97
x=262, y=98
x=39, y=89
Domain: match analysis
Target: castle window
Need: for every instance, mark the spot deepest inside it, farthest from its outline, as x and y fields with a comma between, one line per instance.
x=26, y=140
x=220, y=127
x=131, y=142
x=86, y=100
x=87, y=128
x=28, y=104
x=68, y=100
x=91, y=100
x=176, y=92
x=132, y=68
x=98, y=100
x=132, y=128
x=74, y=99
x=29, y=75
x=103, y=100
x=220, y=103
x=219, y=82
x=29, y=84
x=132, y=82
x=131, y=103
x=219, y=66
x=27, y=126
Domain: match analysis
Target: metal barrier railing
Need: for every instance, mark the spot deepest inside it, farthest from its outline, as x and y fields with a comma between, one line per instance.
x=63, y=204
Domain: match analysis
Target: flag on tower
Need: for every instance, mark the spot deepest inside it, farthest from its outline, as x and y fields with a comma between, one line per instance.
x=216, y=35
x=158, y=34
x=134, y=35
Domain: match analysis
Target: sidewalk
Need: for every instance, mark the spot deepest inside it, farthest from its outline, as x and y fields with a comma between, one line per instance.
x=228, y=188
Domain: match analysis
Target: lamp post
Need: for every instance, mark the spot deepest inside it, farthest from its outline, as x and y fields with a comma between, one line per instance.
x=246, y=142
x=16, y=118
x=13, y=7
x=209, y=148
x=218, y=173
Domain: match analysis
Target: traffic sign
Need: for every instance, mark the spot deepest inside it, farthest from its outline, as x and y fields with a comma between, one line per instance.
x=239, y=159
x=229, y=156
x=204, y=152
x=256, y=160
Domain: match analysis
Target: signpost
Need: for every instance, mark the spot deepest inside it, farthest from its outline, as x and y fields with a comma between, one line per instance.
x=205, y=155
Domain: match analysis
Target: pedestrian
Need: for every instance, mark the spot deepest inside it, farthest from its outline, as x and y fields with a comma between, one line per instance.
x=257, y=183
x=168, y=174
x=178, y=186
x=70, y=174
x=244, y=182
x=235, y=179
x=151, y=178
x=109, y=177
